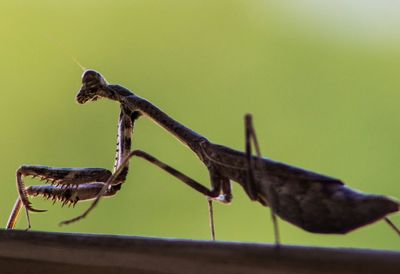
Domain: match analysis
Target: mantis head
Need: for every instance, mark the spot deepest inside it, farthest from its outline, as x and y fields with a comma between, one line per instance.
x=93, y=87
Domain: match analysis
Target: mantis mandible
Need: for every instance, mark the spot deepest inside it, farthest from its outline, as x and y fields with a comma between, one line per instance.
x=311, y=201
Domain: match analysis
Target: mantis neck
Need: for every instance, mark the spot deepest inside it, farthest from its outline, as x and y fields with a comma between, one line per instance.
x=135, y=103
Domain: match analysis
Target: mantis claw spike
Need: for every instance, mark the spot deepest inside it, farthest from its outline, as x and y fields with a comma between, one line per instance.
x=37, y=210
x=30, y=208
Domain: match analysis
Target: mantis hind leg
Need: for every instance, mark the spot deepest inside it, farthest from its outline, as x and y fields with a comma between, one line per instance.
x=251, y=138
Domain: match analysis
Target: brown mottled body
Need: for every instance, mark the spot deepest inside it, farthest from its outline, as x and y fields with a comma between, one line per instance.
x=314, y=202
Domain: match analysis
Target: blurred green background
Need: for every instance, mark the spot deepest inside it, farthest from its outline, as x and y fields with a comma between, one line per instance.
x=321, y=79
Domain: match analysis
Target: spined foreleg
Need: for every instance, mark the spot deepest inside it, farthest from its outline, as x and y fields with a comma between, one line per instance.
x=66, y=195
x=69, y=181
x=62, y=182
x=65, y=177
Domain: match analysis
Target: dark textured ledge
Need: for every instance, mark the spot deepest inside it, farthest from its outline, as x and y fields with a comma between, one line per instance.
x=43, y=252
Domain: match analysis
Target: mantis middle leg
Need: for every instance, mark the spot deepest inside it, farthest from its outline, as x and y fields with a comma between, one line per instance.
x=210, y=194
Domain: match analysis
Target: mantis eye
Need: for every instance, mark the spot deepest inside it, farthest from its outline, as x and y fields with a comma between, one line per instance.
x=93, y=80
x=91, y=76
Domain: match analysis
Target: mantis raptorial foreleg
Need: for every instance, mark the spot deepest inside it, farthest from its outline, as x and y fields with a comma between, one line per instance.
x=68, y=178
x=71, y=185
x=66, y=195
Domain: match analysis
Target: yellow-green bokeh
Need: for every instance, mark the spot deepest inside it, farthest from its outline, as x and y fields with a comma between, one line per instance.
x=322, y=83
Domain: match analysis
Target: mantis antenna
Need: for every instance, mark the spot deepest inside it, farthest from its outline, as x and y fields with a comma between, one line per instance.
x=67, y=52
x=83, y=68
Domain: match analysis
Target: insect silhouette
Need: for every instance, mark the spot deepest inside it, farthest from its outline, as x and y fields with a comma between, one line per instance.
x=314, y=202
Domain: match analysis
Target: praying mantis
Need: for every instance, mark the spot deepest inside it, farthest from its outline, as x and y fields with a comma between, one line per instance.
x=314, y=202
